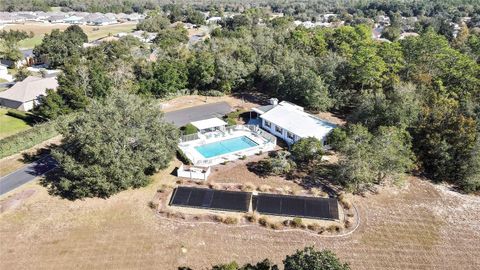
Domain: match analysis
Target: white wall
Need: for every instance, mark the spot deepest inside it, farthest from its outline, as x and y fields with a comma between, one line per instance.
x=283, y=134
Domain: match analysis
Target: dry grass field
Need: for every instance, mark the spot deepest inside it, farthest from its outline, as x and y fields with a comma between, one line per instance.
x=417, y=226
x=93, y=32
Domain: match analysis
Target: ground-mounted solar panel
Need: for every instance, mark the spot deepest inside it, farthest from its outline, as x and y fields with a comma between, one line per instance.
x=296, y=206
x=211, y=199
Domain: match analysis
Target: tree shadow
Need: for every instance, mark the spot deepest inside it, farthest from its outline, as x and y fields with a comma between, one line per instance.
x=323, y=176
x=260, y=168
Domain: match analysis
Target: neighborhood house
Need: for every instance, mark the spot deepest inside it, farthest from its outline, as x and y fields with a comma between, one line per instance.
x=25, y=95
x=291, y=123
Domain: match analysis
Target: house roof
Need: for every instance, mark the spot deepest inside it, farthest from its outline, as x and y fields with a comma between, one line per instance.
x=292, y=118
x=209, y=123
x=263, y=109
x=29, y=89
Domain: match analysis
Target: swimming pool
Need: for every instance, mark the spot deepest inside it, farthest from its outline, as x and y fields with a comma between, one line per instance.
x=226, y=146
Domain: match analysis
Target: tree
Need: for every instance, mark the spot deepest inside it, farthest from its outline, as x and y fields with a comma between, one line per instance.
x=154, y=23
x=444, y=139
x=307, y=150
x=280, y=164
x=171, y=37
x=391, y=33
x=9, y=44
x=22, y=74
x=111, y=146
x=162, y=77
x=367, y=159
x=398, y=107
x=310, y=259
x=58, y=46
x=195, y=17
x=201, y=70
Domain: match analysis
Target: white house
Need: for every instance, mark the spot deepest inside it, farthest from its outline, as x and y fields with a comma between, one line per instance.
x=25, y=95
x=291, y=123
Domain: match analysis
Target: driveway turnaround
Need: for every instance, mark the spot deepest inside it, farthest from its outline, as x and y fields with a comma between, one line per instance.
x=179, y=118
x=184, y=116
x=26, y=174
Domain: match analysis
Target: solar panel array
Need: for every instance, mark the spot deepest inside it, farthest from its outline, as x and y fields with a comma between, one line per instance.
x=297, y=206
x=269, y=204
x=211, y=199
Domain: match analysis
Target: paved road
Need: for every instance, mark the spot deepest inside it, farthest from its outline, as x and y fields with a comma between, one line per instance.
x=185, y=116
x=26, y=174
x=43, y=165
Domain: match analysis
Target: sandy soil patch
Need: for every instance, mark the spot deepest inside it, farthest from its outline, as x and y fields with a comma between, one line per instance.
x=246, y=102
x=418, y=226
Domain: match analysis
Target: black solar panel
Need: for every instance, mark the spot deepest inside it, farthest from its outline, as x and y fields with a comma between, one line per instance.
x=211, y=199
x=297, y=206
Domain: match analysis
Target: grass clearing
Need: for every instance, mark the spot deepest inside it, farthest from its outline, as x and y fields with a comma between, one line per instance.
x=93, y=32
x=10, y=125
x=410, y=228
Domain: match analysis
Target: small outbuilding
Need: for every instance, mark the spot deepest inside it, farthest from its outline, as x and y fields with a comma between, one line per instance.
x=210, y=124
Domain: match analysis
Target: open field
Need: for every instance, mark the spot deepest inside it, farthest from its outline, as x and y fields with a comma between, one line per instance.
x=418, y=226
x=93, y=32
x=10, y=125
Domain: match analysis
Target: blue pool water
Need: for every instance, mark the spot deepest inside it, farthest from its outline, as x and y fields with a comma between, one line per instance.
x=225, y=146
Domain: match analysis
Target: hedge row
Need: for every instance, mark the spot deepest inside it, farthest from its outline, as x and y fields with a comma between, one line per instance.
x=25, y=116
x=26, y=139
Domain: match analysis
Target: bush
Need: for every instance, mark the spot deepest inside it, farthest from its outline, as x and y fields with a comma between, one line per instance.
x=230, y=220
x=251, y=217
x=183, y=158
x=263, y=221
x=26, y=139
x=25, y=116
x=212, y=93
x=307, y=150
x=189, y=129
x=296, y=222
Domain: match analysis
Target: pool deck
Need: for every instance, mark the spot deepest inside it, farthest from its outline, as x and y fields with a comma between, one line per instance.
x=188, y=148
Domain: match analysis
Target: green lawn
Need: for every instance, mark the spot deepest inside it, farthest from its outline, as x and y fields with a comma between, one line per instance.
x=10, y=125
x=93, y=32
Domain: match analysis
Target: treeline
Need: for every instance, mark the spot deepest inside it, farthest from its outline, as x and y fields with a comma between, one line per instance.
x=418, y=97
x=302, y=9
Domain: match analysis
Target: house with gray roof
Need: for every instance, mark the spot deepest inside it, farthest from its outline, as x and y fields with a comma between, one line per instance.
x=25, y=95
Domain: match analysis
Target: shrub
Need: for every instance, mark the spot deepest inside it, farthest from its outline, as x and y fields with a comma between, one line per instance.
x=263, y=221
x=152, y=204
x=189, y=129
x=182, y=157
x=334, y=228
x=230, y=220
x=276, y=226
x=248, y=187
x=212, y=93
x=251, y=217
x=307, y=150
x=26, y=139
x=296, y=222
x=243, y=157
x=264, y=188
x=314, y=227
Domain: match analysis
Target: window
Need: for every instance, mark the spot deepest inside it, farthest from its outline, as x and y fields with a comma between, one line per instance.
x=278, y=129
x=268, y=124
x=290, y=135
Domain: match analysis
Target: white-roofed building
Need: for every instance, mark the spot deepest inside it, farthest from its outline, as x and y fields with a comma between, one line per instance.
x=25, y=95
x=291, y=123
x=209, y=124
